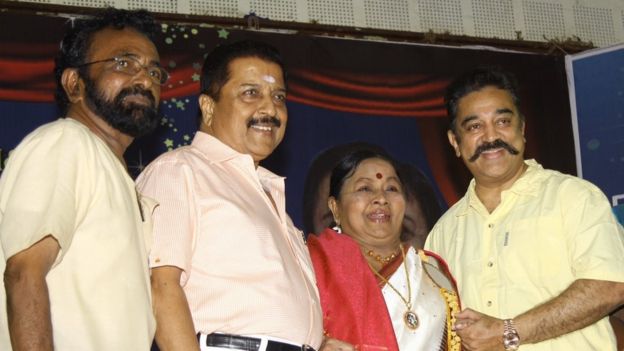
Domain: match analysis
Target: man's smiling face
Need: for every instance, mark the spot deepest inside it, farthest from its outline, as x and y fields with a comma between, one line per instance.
x=250, y=114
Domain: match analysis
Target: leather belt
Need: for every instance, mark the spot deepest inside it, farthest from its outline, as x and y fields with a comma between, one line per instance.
x=248, y=343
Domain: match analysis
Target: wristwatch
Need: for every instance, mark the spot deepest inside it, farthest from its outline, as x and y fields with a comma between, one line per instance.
x=511, y=339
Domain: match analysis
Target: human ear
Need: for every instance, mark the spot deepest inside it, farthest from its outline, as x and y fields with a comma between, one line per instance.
x=206, y=106
x=333, y=207
x=453, y=141
x=72, y=84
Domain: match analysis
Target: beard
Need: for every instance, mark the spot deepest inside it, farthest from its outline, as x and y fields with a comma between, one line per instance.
x=129, y=118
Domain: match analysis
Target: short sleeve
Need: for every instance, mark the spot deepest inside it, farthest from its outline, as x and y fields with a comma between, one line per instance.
x=38, y=190
x=594, y=237
x=170, y=183
x=433, y=238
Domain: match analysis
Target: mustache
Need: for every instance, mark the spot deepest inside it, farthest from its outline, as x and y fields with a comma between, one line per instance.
x=271, y=120
x=132, y=119
x=135, y=90
x=496, y=144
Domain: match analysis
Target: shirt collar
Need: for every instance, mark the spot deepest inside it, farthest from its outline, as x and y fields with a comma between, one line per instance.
x=214, y=149
x=216, y=152
x=530, y=183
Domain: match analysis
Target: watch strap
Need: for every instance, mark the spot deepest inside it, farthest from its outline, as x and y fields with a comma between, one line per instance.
x=511, y=339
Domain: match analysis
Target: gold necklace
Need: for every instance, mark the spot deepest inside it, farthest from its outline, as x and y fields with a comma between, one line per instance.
x=410, y=318
x=381, y=259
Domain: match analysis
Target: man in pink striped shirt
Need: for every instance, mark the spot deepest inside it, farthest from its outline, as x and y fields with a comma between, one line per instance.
x=229, y=269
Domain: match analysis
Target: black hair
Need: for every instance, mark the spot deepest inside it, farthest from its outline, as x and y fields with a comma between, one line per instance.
x=215, y=71
x=321, y=167
x=419, y=188
x=476, y=80
x=349, y=163
x=77, y=41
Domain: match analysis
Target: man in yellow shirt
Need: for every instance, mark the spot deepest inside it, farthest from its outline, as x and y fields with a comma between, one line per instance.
x=74, y=250
x=538, y=255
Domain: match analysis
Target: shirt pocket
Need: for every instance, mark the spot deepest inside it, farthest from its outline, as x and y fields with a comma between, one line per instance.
x=533, y=250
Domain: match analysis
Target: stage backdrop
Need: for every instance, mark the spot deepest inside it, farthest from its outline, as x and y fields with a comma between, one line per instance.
x=596, y=81
x=340, y=90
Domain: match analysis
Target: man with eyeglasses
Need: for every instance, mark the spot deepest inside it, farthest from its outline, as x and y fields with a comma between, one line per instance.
x=74, y=250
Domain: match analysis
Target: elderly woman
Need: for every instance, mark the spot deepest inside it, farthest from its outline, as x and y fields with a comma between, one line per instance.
x=377, y=293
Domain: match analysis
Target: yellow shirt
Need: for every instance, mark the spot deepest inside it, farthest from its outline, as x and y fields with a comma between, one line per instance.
x=246, y=269
x=65, y=181
x=549, y=230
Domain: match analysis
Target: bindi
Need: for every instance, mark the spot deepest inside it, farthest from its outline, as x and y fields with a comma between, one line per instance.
x=379, y=175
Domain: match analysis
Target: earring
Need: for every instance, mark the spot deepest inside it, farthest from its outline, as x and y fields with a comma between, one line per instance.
x=337, y=228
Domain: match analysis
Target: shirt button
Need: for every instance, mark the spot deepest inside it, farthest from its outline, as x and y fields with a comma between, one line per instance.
x=490, y=225
x=490, y=264
x=489, y=303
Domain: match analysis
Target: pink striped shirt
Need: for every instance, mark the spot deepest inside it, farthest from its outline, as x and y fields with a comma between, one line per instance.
x=246, y=269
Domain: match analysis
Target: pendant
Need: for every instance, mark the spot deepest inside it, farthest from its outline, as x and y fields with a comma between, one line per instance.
x=411, y=320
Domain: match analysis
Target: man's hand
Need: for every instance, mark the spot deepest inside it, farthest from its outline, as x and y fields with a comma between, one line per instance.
x=330, y=344
x=479, y=332
x=28, y=301
x=174, y=324
x=618, y=328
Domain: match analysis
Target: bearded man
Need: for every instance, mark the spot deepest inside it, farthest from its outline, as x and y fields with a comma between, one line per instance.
x=74, y=253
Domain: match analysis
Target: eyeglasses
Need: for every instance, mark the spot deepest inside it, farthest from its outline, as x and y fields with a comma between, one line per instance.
x=131, y=66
